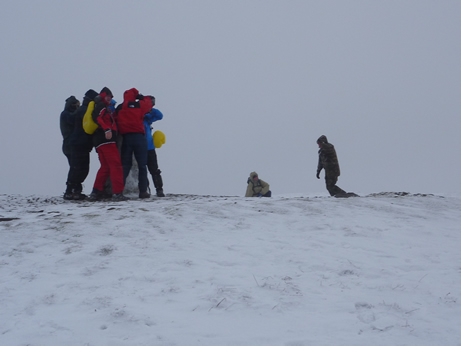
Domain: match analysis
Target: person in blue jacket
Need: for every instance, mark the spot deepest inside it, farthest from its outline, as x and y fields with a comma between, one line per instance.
x=152, y=164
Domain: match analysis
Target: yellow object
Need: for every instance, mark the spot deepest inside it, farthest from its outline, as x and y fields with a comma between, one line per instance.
x=88, y=124
x=159, y=138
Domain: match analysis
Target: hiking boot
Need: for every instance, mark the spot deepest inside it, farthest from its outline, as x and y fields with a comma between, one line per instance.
x=144, y=194
x=118, y=197
x=95, y=196
x=68, y=196
x=78, y=196
x=160, y=193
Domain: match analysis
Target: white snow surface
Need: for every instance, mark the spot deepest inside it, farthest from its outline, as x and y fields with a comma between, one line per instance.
x=295, y=270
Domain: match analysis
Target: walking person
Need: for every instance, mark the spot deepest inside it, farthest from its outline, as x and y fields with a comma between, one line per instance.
x=329, y=162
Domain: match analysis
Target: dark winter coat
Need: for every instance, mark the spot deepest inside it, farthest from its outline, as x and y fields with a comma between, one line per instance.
x=67, y=122
x=79, y=137
x=103, y=116
x=327, y=158
x=130, y=115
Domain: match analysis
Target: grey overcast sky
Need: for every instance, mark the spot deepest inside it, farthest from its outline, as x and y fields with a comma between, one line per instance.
x=243, y=85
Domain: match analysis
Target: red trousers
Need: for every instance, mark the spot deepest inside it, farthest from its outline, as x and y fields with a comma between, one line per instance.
x=111, y=165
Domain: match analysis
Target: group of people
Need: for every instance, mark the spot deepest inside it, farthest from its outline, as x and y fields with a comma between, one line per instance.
x=126, y=130
x=121, y=132
x=328, y=161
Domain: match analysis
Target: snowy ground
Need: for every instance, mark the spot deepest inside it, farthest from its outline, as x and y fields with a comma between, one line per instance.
x=383, y=269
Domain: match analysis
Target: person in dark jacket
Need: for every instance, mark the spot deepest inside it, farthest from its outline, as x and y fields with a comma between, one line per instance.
x=104, y=140
x=152, y=164
x=67, y=123
x=329, y=162
x=80, y=147
x=130, y=117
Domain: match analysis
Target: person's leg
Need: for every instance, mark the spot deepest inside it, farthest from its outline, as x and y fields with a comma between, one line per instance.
x=338, y=191
x=84, y=166
x=107, y=192
x=116, y=169
x=68, y=194
x=330, y=183
x=69, y=184
x=140, y=154
x=126, y=153
x=104, y=170
x=268, y=194
x=152, y=166
x=67, y=152
x=80, y=167
x=158, y=183
x=332, y=188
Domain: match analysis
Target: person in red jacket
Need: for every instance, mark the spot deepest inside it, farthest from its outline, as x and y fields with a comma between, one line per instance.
x=104, y=140
x=130, y=120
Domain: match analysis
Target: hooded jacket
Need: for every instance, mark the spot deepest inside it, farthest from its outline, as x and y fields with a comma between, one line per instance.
x=67, y=121
x=79, y=137
x=254, y=189
x=103, y=116
x=327, y=158
x=130, y=116
x=149, y=118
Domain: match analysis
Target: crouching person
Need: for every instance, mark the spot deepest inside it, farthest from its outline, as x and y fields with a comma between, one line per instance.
x=257, y=187
x=104, y=140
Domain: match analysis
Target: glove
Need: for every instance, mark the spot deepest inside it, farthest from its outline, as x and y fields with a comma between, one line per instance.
x=140, y=97
x=259, y=195
x=318, y=175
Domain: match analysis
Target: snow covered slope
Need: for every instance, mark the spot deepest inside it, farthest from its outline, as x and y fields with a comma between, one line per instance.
x=210, y=270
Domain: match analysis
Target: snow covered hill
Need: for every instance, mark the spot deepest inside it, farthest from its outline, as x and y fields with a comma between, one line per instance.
x=384, y=269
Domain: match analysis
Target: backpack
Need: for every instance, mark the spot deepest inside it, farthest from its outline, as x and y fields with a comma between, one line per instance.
x=88, y=123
